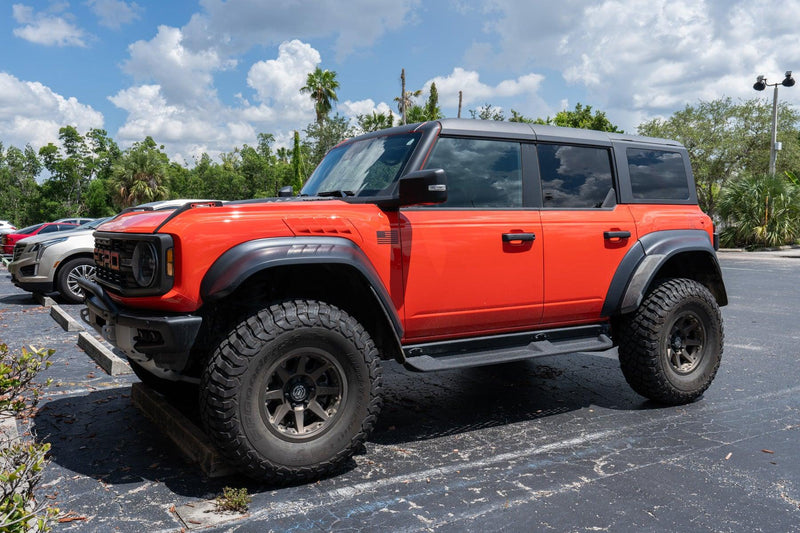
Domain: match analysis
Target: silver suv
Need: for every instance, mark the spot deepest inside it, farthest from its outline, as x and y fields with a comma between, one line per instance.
x=54, y=262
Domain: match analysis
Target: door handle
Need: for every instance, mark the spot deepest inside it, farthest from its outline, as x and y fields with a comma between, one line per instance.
x=616, y=235
x=509, y=237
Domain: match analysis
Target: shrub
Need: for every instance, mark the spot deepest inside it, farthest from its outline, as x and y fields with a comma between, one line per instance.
x=21, y=463
x=235, y=500
x=760, y=211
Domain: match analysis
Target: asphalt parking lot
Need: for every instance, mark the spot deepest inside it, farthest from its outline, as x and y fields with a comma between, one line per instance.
x=559, y=443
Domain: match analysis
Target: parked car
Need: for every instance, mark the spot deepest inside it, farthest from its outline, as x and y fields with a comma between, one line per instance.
x=10, y=239
x=77, y=220
x=7, y=227
x=48, y=263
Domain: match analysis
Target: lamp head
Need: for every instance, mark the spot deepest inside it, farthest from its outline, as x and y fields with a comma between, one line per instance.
x=788, y=81
x=761, y=83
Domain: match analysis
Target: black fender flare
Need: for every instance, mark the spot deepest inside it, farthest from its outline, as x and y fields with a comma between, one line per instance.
x=242, y=261
x=645, y=258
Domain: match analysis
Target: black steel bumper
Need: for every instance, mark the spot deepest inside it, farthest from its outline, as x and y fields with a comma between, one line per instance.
x=164, y=339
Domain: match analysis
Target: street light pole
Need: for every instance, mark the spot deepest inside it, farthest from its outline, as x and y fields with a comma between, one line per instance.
x=760, y=85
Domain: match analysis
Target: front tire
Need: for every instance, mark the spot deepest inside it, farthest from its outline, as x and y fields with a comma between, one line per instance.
x=671, y=346
x=292, y=391
x=68, y=275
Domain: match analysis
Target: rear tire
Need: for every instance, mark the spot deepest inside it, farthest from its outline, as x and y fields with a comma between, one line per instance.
x=68, y=274
x=671, y=346
x=292, y=391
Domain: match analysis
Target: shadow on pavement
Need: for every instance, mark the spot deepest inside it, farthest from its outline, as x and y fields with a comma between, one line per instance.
x=102, y=435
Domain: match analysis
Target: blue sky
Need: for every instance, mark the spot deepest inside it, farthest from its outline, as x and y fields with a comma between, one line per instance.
x=209, y=75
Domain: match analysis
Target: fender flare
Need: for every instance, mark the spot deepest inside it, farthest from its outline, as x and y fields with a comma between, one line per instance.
x=239, y=263
x=643, y=261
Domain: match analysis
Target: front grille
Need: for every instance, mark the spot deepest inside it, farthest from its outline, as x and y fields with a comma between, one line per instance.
x=112, y=258
x=18, y=250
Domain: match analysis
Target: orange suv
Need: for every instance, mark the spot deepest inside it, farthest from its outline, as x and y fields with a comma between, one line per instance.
x=441, y=245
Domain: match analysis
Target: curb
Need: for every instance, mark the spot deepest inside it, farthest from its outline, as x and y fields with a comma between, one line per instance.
x=186, y=436
x=109, y=362
x=64, y=320
x=44, y=301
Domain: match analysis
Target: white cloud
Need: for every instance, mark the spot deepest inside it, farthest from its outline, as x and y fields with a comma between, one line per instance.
x=277, y=83
x=184, y=75
x=46, y=29
x=32, y=113
x=185, y=132
x=640, y=58
x=237, y=25
x=363, y=107
x=115, y=13
x=189, y=127
x=475, y=91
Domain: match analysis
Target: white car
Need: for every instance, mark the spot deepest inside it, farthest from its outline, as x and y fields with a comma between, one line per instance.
x=7, y=227
x=54, y=262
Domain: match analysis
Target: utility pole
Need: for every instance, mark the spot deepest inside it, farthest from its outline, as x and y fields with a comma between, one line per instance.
x=403, y=93
x=460, y=94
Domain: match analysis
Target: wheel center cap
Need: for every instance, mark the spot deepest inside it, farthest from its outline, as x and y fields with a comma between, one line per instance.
x=298, y=393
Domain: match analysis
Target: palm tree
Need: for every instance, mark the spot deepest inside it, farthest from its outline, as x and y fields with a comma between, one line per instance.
x=321, y=86
x=139, y=176
x=405, y=103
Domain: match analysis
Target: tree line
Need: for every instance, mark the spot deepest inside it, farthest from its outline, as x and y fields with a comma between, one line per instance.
x=90, y=175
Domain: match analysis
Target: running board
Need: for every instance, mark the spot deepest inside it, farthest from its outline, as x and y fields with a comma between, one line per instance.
x=505, y=348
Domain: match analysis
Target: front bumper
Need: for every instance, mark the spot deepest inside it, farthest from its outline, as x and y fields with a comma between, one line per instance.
x=164, y=340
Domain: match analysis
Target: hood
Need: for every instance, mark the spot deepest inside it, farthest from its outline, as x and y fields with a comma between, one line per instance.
x=136, y=221
x=57, y=235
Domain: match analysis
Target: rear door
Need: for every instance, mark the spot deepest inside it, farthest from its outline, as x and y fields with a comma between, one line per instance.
x=585, y=233
x=473, y=265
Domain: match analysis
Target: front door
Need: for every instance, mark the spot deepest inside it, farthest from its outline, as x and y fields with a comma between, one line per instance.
x=473, y=265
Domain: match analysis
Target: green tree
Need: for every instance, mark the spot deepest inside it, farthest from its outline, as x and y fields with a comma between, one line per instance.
x=432, y=109
x=406, y=103
x=375, y=121
x=299, y=174
x=139, y=176
x=320, y=138
x=488, y=112
x=20, y=191
x=321, y=86
x=519, y=117
x=581, y=117
x=760, y=210
x=726, y=139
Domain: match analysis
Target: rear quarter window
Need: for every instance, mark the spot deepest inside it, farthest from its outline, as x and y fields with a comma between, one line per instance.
x=657, y=175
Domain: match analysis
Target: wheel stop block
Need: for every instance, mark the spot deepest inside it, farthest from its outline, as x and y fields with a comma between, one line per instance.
x=187, y=437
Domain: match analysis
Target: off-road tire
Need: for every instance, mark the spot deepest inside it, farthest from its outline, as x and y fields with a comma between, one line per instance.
x=278, y=358
x=65, y=283
x=670, y=348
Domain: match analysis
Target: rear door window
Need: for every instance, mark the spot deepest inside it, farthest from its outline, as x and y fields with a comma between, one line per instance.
x=574, y=176
x=657, y=175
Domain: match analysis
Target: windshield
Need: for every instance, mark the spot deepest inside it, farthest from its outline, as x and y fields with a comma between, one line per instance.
x=30, y=229
x=362, y=168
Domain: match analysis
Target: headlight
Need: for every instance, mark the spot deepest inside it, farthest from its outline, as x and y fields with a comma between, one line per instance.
x=40, y=247
x=144, y=264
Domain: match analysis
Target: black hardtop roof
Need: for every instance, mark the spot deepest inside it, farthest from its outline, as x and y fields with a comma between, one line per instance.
x=541, y=132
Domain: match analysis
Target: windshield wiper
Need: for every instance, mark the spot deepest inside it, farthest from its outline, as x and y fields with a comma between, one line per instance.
x=340, y=193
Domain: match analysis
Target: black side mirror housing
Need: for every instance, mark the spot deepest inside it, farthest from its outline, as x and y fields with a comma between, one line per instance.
x=427, y=186
x=286, y=192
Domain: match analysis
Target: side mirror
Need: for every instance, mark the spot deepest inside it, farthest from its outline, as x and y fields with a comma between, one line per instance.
x=286, y=192
x=427, y=186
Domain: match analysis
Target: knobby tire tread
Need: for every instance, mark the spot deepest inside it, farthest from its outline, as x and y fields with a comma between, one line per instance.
x=218, y=396
x=639, y=342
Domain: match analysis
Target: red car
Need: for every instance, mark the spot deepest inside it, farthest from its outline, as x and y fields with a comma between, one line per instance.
x=10, y=239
